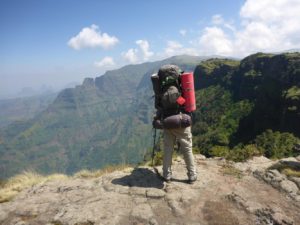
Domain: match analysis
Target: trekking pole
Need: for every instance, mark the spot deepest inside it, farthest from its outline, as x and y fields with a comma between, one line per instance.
x=154, y=140
x=178, y=146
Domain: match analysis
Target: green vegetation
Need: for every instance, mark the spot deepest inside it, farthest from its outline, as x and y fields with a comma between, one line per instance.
x=217, y=118
x=241, y=153
x=228, y=169
x=158, y=159
x=214, y=71
x=22, y=109
x=248, y=108
x=291, y=172
x=288, y=168
x=276, y=144
x=238, y=153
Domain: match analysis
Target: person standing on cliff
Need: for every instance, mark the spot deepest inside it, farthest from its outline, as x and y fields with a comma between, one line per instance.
x=173, y=119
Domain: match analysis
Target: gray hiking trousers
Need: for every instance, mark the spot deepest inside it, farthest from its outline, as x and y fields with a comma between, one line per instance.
x=184, y=136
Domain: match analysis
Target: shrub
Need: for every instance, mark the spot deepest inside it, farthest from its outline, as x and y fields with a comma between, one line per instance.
x=242, y=153
x=219, y=151
x=158, y=158
x=276, y=144
x=237, y=154
x=228, y=169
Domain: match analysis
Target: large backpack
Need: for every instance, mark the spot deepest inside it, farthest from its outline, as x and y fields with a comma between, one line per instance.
x=169, y=90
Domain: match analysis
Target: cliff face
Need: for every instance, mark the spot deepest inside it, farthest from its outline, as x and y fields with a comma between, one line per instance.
x=273, y=82
x=239, y=100
x=254, y=192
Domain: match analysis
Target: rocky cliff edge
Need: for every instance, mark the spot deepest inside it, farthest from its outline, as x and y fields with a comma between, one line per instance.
x=253, y=192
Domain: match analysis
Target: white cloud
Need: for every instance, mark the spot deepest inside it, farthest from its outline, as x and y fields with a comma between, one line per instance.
x=215, y=41
x=269, y=25
x=105, y=62
x=131, y=55
x=217, y=19
x=140, y=54
x=91, y=37
x=269, y=10
x=256, y=37
x=183, y=32
x=172, y=48
x=144, y=46
x=273, y=24
x=175, y=48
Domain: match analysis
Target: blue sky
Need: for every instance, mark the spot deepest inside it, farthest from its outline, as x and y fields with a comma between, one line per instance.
x=56, y=42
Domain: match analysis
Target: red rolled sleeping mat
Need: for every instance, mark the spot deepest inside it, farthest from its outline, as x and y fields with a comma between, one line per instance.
x=188, y=91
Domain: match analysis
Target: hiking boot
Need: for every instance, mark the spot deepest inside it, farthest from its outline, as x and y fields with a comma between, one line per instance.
x=167, y=178
x=192, y=179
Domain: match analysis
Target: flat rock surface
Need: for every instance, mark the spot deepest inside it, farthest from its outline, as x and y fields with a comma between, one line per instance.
x=222, y=195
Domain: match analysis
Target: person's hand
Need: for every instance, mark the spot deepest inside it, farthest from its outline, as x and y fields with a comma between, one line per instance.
x=157, y=124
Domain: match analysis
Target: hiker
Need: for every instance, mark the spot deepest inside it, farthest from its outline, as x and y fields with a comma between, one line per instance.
x=172, y=117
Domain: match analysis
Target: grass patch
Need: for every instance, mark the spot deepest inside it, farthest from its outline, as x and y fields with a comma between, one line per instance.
x=230, y=170
x=289, y=168
x=98, y=173
x=291, y=172
x=10, y=188
x=15, y=184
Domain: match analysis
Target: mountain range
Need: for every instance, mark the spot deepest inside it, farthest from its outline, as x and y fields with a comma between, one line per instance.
x=22, y=109
x=107, y=120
